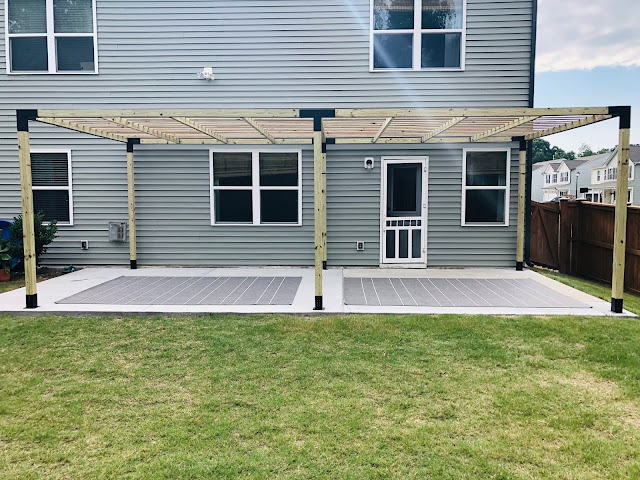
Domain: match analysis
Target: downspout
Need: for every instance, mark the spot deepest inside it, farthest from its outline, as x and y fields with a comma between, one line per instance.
x=532, y=78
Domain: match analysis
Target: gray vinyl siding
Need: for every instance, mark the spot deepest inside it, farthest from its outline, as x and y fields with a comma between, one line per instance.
x=265, y=53
x=353, y=209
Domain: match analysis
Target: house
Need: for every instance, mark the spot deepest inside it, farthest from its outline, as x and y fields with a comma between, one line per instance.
x=262, y=132
x=604, y=178
x=562, y=177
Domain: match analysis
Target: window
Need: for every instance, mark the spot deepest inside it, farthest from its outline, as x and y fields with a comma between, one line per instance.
x=598, y=175
x=555, y=178
x=547, y=179
x=417, y=34
x=564, y=177
x=52, y=186
x=51, y=36
x=630, y=170
x=256, y=187
x=485, y=187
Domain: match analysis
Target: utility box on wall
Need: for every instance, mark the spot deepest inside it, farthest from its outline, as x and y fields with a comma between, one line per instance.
x=117, y=231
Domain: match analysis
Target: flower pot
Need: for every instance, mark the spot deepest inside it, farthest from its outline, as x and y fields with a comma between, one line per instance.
x=4, y=275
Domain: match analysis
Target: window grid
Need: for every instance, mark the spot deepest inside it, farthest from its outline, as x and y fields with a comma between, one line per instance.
x=255, y=188
x=417, y=33
x=51, y=36
x=506, y=188
x=67, y=188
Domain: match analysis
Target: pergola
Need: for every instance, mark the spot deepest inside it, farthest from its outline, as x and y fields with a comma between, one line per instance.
x=320, y=127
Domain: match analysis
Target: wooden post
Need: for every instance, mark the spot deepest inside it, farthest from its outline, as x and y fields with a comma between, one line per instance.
x=522, y=179
x=324, y=205
x=26, y=190
x=620, y=232
x=319, y=215
x=131, y=194
x=565, y=234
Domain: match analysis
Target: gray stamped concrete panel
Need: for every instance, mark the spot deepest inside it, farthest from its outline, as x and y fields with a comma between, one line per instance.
x=140, y=290
x=454, y=292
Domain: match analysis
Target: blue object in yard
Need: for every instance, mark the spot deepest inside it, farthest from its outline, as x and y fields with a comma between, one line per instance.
x=4, y=228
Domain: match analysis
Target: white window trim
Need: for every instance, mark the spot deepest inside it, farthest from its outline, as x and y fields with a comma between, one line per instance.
x=51, y=43
x=417, y=32
x=506, y=188
x=255, y=187
x=68, y=188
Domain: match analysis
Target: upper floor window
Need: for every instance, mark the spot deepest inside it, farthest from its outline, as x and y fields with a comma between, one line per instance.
x=564, y=177
x=547, y=179
x=555, y=178
x=417, y=34
x=51, y=36
x=598, y=175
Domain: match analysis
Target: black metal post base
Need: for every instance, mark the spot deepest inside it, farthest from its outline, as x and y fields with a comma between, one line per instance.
x=32, y=301
x=318, y=303
x=519, y=266
x=134, y=264
x=616, y=305
x=324, y=265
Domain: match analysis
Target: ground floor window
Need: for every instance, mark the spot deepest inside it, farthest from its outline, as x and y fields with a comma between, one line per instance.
x=485, y=187
x=52, y=186
x=256, y=187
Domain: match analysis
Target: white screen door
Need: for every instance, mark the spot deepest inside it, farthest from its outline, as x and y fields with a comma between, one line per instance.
x=404, y=208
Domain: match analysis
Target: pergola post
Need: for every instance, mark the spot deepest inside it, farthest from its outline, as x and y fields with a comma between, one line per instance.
x=620, y=232
x=522, y=179
x=26, y=190
x=324, y=204
x=131, y=194
x=319, y=202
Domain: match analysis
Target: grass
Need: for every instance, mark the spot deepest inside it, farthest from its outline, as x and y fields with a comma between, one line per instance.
x=323, y=397
x=597, y=289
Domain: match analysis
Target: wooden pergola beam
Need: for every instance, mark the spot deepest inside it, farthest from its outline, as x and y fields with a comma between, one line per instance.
x=441, y=129
x=142, y=128
x=260, y=129
x=569, y=126
x=386, y=123
x=58, y=122
x=465, y=112
x=201, y=128
x=503, y=128
x=189, y=113
x=231, y=141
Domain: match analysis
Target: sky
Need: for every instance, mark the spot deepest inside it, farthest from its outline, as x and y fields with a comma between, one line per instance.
x=588, y=55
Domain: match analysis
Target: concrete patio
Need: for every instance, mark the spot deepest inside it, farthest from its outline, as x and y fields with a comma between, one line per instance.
x=291, y=290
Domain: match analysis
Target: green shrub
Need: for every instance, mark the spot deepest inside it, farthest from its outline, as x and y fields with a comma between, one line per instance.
x=44, y=236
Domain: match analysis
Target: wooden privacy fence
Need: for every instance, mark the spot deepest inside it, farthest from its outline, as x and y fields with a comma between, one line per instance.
x=577, y=238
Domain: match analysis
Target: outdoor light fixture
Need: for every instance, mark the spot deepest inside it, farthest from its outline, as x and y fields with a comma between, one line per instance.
x=207, y=74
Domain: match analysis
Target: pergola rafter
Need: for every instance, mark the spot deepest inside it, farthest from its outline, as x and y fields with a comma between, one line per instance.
x=319, y=127
x=201, y=128
x=142, y=128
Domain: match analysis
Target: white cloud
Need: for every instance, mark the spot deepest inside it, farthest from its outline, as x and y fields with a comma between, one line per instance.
x=585, y=34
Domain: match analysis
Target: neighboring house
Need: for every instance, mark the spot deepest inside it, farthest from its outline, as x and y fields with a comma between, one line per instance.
x=562, y=177
x=604, y=178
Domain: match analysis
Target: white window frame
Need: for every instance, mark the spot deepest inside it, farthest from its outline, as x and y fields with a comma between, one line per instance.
x=52, y=59
x=562, y=175
x=547, y=179
x=631, y=170
x=68, y=188
x=554, y=178
x=598, y=176
x=255, y=187
x=506, y=188
x=417, y=32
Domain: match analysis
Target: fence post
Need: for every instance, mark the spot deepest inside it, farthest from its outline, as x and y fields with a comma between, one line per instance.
x=564, y=237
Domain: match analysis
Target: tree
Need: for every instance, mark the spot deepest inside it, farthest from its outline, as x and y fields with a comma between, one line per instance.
x=44, y=235
x=585, y=151
x=543, y=151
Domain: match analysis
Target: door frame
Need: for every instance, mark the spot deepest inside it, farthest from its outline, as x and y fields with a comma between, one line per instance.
x=399, y=159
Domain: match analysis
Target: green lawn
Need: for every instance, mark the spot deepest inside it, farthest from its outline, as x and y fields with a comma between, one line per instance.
x=600, y=290
x=323, y=397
